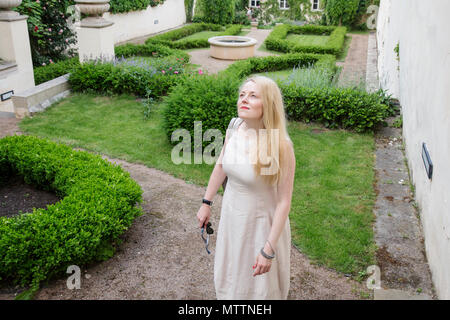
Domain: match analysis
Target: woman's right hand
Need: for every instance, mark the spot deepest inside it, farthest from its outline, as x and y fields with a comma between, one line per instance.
x=203, y=215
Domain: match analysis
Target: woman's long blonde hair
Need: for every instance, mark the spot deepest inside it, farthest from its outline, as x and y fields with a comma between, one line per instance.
x=273, y=117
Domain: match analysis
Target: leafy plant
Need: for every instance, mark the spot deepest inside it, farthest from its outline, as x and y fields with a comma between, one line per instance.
x=218, y=11
x=270, y=10
x=121, y=6
x=341, y=12
x=148, y=103
x=51, y=39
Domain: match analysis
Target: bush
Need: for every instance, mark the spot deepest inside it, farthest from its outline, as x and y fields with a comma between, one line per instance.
x=210, y=99
x=48, y=30
x=122, y=77
x=169, y=39
x=277, y=39
x=218, y=11
x=334, y=107
x=54, y=70
x=341, y=12
x=121, y=6
x=241, y=18
x=188, y=6
x=246, y=67
x=98, y=205
x=149, y=50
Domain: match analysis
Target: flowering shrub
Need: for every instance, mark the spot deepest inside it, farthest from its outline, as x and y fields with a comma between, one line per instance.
x=120, y=6
x=50, y=36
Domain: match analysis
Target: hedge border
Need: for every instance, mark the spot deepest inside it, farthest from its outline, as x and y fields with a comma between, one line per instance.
x=276, y=40
x=54, y=70
x=170, y=38
x=98, y=204
x=244, y=68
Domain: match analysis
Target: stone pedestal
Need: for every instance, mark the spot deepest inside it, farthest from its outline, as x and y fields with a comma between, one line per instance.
x=95, y=38
x=95, y=44
x=16, y=66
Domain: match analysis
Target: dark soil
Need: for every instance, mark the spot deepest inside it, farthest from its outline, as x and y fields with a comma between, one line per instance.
x=18, y=197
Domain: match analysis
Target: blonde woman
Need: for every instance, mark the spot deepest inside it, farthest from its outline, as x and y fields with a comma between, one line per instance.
x=252, y=256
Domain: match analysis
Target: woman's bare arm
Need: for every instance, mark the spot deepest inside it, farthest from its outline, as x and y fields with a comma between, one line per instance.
x=285, y=189
x=215, y=181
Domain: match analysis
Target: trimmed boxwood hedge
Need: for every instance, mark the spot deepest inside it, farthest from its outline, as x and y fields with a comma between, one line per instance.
x=49, y=72
x=169, y=38
x=107, y=78
x=212, y=99
x=334, y=107
x=98, y=204
x=277, y=39
x=246, y=67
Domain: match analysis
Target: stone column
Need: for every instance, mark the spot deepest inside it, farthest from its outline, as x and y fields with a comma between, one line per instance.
x=95, y=38
x=16, y=66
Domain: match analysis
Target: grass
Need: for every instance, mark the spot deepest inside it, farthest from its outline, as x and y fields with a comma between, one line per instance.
x=201, y=35
x=331, y=215
x=343, y=54
x=308, y=40
x=276, y=75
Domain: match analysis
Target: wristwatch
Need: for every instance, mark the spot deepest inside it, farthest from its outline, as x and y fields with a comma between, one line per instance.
x=209, y=203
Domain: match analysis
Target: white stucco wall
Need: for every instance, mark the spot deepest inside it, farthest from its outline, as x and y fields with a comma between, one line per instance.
x=136, y=24
x=423, y=88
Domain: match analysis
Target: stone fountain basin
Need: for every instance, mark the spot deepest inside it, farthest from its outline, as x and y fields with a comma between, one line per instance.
x=232, y=47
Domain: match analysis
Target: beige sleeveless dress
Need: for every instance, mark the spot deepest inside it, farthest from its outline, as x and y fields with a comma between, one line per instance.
x=248, y=207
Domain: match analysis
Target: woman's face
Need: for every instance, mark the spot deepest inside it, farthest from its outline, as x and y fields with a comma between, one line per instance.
x=250, y=104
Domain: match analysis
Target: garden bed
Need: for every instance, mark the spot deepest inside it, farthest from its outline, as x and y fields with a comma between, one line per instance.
x=332, y=44
x=98, y=203
x=17, y=197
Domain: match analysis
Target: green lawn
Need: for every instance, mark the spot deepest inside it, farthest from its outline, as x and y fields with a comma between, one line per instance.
x=307, y=40
x=201, y=35
x=276, y=75
x=331, y=215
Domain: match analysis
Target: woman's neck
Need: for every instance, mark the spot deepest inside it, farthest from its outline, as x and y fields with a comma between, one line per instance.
x=254, y=124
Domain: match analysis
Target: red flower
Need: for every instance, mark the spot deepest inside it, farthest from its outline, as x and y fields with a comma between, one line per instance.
x=36, y=28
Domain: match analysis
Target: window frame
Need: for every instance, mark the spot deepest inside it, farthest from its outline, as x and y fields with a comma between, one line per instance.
x=285, y=3
x=317, y=2
x=255, y=5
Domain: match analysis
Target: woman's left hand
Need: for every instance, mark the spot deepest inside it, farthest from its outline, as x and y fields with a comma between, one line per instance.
x=262, y=265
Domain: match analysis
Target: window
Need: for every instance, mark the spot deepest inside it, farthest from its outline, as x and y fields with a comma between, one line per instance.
x=284, y=4
x=254, y=4
x=315, y=5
